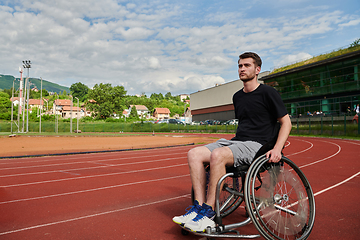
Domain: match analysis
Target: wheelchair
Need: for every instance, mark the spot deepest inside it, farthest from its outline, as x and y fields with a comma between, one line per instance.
x=278, y=199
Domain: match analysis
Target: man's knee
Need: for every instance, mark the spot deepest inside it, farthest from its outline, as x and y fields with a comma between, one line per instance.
x=222, y=156
x=198, y=154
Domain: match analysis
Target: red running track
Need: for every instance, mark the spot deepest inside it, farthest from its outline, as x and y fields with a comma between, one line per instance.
x=135, y=194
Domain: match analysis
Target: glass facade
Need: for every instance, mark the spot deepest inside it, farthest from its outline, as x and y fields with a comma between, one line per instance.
x=331, y=86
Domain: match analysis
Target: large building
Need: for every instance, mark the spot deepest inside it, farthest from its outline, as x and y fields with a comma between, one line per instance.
x=330, y=86
x=216, y=102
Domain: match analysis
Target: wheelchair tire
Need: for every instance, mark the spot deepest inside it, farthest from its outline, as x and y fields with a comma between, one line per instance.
x=279, y=199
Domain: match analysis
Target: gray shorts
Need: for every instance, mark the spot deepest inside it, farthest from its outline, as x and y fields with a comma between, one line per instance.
x=243, y=152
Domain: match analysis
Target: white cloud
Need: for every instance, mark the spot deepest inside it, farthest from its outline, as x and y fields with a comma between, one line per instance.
x=159, y=46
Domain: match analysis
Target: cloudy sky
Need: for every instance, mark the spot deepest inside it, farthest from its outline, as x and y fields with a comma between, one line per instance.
x=166, y=46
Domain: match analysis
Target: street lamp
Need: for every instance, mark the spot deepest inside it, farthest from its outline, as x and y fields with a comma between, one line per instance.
x=20, y=97
x=27, y=64
x=71, y=112
x=12, y=107
x=41, y=105
x=77, y=116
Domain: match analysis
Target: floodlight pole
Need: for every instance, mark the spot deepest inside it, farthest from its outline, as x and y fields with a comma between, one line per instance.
x=27, y=64
x=41, y=105
x=71, y=112
x=77, y=116
x=12, y=106
x=20, y=97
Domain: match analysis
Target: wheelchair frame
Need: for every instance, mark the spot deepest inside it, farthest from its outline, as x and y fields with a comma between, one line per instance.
x=255, y=205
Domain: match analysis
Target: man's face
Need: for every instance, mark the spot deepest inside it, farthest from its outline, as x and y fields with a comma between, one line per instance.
x=247, y=69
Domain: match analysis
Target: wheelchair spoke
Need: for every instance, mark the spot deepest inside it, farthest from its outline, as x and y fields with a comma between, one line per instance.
x=284, y=209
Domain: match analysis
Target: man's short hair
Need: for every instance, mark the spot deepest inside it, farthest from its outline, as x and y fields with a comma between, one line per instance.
x=257, y=59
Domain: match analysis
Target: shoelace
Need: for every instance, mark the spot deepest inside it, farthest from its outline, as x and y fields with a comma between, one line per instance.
x=190, y=209
x=200, y=215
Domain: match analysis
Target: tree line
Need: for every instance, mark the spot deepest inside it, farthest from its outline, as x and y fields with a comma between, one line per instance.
x=107, y=101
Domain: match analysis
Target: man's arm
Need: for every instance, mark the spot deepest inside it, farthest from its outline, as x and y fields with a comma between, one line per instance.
x=275, y=153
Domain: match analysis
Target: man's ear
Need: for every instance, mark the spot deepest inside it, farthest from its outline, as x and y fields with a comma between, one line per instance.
x=258, y=70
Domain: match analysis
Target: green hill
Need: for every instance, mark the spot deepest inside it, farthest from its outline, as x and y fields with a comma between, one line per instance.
x=6, y=82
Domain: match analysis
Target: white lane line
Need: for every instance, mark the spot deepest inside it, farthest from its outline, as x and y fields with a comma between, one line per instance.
x=91, y=190
x=144, y=205
x=307, y=149
x=336, y=185
x=84, y=156
x=91, y=176
x=87, y=168
x=321, y=160
x=95, y=161
x=93, y=215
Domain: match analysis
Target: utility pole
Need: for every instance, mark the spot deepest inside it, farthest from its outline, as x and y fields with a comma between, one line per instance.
x=71, y=112
x=20, y=97
x=12, y=107
x=27, y=64
x=77, y=116
x=41, y=105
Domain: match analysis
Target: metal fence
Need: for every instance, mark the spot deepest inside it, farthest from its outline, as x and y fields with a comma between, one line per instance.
x=329, y=126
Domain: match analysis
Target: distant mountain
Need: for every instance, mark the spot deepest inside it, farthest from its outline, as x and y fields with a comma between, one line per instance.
x=6, y=82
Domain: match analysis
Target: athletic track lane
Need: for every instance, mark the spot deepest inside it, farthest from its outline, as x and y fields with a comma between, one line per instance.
x=134, y=195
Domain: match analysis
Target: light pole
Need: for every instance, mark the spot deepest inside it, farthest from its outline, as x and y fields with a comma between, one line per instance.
x=77, y=116
x=12, y=106
x=41, y=105
x=20, y=97
x=27, y=64
x=71, y=112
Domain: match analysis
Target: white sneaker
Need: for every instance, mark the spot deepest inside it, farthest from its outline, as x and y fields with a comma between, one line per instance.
x=190, y=214
x=203, y=220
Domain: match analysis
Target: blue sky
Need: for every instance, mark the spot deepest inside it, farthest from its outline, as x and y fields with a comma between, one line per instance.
x=166, y=46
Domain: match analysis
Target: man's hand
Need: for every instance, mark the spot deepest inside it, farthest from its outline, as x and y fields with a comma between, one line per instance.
x=274, y=155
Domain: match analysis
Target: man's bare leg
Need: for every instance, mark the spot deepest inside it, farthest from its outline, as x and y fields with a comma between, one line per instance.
x=219, y=158
x=196, y=159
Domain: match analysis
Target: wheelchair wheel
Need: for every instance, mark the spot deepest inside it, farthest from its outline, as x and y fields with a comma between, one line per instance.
x=228, y=201
x=279, y=199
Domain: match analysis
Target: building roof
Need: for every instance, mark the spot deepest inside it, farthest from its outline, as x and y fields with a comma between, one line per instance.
x=162, y=110
x=68, y=108
x=140, y=107
x=62, y=102
x=36, y=102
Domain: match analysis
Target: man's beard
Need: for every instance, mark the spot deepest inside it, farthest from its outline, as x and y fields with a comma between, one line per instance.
x=247, y=78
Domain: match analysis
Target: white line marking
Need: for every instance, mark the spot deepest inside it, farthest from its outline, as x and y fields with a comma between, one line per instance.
x=93, y=215
x=143, y=205
x=93, y=162
x=307, y=149
x=336, y=185
x=92, y=190
x=321, y=160
x=87, y=168
x=91, y=176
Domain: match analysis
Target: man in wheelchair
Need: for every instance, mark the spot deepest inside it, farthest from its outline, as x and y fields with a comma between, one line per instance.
x=258, y=108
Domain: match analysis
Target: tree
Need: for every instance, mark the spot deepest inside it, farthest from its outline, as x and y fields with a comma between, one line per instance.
x=79, y=90
x=168, y=95
x=108, y=100
x=133, y=113
x=5, y=106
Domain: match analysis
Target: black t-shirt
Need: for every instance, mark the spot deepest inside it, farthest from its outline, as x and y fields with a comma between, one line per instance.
x=258, y=112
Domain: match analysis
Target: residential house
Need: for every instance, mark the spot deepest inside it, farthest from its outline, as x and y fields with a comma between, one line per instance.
x=141, y=110
x=75, y=112
x=63, y=108
x=59, y=104
x=184, y=97
x=15, y=100
x=32, y=103
x=36, y=103
x=161, y=113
